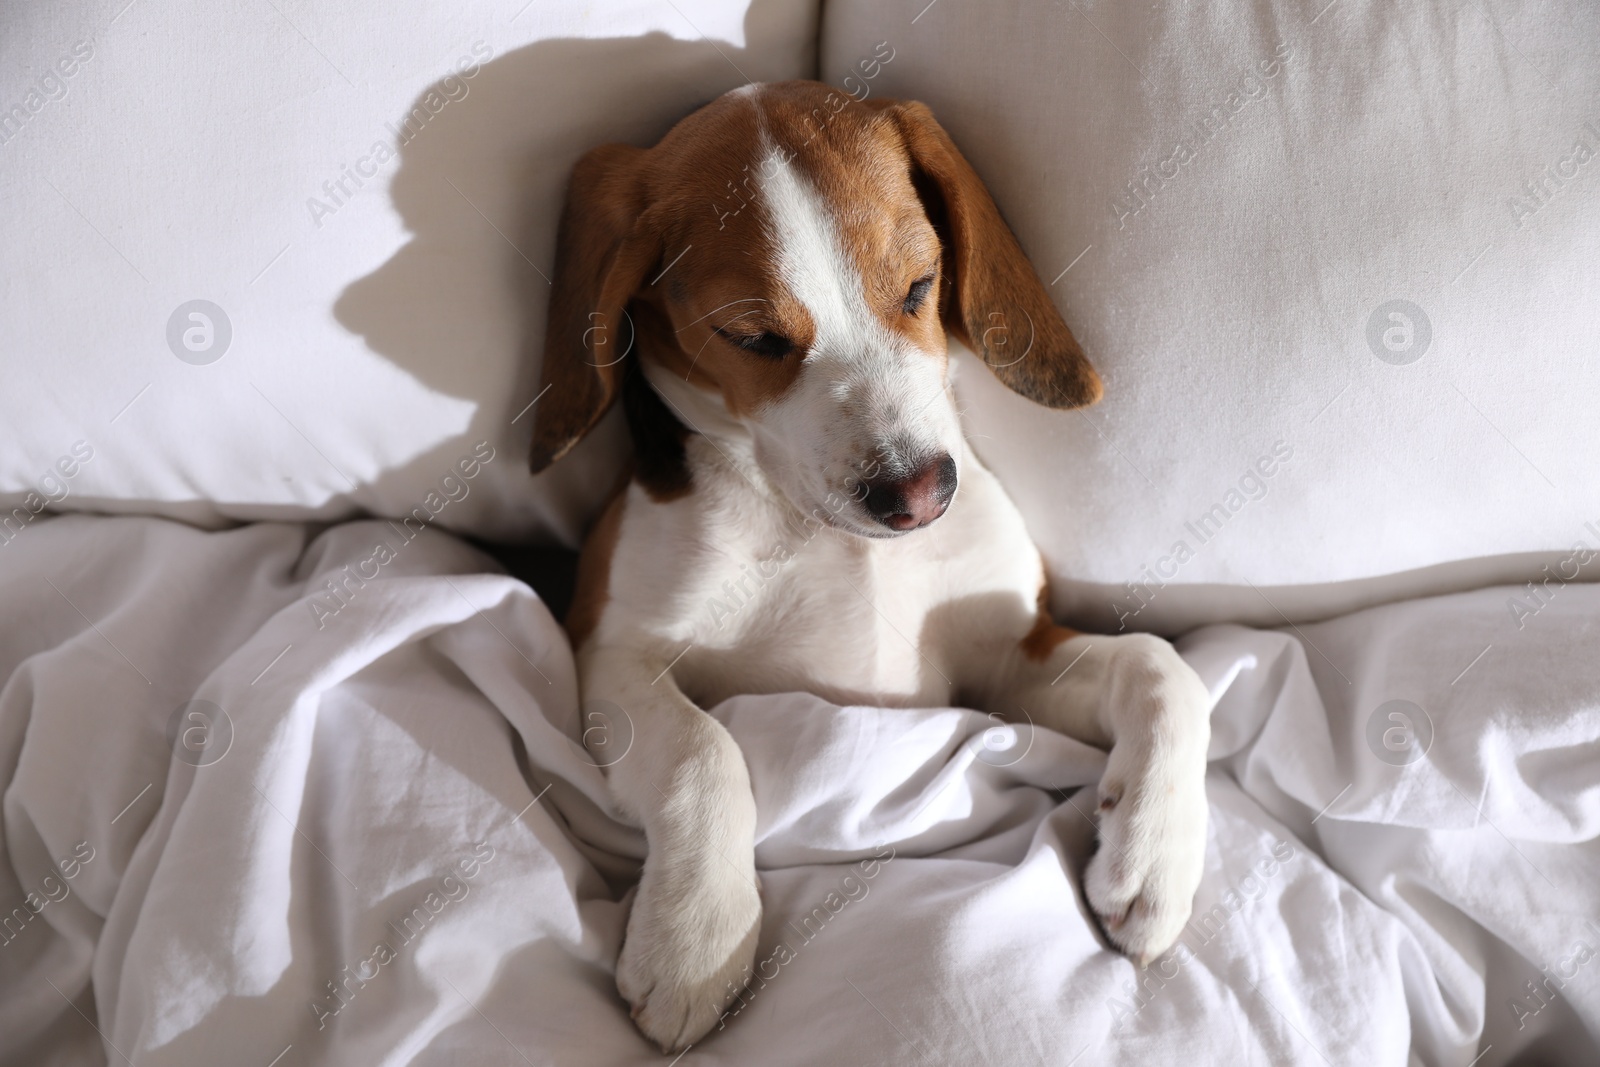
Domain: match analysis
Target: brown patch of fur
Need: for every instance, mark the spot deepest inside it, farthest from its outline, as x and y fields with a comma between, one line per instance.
x=1042, y=640
x=995, y=303
x=603, y=249
x=706, y=184
x=856, y=160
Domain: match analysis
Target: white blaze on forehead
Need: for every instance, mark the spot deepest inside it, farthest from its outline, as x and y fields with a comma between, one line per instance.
x=868, y=398
x=813, y=265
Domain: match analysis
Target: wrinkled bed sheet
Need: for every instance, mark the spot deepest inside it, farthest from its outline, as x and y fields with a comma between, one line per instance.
x=249, y=819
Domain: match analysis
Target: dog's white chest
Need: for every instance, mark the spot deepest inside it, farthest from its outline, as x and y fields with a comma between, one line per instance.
x=821, y=615
x=757, y=601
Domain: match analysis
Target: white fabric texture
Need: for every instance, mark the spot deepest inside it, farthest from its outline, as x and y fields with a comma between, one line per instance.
x=364, y=335
x=1225, y=201
x=410, y=749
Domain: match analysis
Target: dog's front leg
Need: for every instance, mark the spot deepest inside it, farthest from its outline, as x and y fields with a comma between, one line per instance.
x=697, y=912
x=1134, y=695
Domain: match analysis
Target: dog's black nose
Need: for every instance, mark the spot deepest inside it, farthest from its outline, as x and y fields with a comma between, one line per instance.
x=907, y=503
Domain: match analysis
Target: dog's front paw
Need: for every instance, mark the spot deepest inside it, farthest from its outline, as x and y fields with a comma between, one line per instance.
x=1141, y=884
x=690, y=939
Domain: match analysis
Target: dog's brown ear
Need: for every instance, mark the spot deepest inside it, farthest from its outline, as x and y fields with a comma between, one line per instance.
x=606, y=243
x=991, y=298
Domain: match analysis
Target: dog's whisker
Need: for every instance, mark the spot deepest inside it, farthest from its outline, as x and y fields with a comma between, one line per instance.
x=729, y=304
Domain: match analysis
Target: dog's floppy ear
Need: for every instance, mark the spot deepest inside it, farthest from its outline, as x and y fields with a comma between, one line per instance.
x=992, y=300
x=606, y=243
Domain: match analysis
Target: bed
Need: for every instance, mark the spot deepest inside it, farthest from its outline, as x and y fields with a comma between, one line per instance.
x=293, y=763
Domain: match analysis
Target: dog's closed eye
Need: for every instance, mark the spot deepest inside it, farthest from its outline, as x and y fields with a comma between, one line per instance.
x=771, y=345
x=918, y=293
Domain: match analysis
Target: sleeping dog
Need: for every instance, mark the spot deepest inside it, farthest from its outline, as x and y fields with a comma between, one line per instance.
x=768, y=292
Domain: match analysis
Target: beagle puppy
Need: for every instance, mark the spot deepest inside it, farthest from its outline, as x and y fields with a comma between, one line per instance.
x=768, y=291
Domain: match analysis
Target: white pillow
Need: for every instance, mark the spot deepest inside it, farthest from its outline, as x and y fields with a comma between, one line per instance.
x=362, y=336
x=1341, y=334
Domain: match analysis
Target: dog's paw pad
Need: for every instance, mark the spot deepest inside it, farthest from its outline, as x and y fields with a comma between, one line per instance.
x=1141, y=883
x=685, y=956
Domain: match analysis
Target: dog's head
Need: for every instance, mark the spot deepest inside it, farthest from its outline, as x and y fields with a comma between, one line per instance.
x=798, y=256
